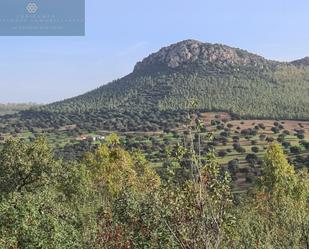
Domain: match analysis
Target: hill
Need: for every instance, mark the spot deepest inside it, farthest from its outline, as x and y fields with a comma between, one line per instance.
x=14, y=108
x=158, y=93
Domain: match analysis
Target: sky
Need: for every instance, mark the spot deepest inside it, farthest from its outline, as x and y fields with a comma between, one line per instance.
x=121, y=32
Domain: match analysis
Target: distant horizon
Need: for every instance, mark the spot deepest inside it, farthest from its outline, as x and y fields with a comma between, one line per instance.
x=119, y=34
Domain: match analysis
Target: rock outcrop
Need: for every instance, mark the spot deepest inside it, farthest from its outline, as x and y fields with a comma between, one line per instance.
x=191, y=51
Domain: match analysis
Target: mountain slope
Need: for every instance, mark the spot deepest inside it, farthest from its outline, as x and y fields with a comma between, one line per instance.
x=158, y=92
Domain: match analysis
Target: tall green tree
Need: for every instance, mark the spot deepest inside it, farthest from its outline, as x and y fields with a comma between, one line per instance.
x=276, y=215
x=26, y=167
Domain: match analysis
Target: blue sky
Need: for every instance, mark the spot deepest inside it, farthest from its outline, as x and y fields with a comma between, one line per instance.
x=121, y=32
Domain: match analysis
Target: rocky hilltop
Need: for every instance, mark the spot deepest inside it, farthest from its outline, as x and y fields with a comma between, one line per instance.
x=192, y=51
